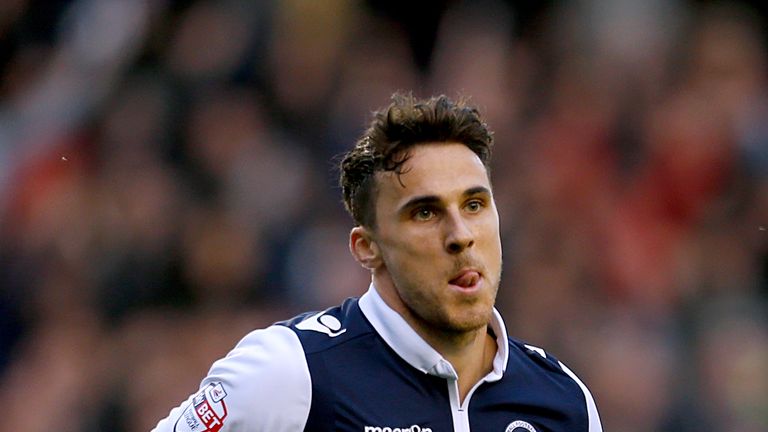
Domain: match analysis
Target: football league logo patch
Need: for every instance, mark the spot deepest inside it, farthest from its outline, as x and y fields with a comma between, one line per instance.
x=207, y=411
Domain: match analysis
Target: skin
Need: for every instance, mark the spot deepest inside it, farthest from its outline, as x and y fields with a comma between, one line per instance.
x=435, y=222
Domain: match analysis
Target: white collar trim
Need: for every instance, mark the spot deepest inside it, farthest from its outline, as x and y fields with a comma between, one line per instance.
x=413, y=349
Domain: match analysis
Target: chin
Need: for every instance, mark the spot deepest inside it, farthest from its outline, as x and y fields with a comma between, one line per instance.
x=469, y=321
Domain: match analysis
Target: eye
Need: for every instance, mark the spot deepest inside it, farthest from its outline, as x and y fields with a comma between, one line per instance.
x=474, y=206
x=423, y=214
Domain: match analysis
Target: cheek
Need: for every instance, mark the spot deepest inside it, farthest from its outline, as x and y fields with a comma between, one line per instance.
x=415, y=244
x=415, y=259
x=491, y=241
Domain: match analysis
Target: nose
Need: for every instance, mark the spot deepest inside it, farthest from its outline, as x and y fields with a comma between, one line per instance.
x=459, y=236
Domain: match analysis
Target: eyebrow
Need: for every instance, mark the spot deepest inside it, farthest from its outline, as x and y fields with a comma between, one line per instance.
x=434, y=199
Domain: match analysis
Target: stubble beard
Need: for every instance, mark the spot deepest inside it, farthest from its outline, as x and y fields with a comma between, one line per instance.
x=453, y=319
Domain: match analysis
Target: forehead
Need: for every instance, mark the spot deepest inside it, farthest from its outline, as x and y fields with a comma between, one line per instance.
x=435, y=169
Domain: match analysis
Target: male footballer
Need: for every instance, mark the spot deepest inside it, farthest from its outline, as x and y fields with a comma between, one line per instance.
x=424, y=349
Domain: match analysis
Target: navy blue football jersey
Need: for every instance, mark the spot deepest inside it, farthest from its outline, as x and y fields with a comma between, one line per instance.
x=360, y=367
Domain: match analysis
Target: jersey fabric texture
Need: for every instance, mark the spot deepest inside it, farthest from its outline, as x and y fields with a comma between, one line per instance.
x=360, y=367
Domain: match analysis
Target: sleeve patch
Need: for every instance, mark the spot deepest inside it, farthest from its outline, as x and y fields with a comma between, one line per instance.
x=207, y=411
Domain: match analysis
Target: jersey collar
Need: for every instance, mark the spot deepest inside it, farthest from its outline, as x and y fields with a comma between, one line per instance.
x=413, y=349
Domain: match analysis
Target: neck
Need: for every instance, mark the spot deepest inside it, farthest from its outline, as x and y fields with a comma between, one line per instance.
x=470, y=352
x=471, y=355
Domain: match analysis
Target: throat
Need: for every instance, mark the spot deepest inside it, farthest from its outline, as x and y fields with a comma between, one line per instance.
x=474, y=362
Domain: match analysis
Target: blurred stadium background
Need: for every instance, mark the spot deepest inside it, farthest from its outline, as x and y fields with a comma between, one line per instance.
x=167, y=184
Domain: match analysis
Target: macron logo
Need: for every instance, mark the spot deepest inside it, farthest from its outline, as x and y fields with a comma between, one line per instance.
x=322, y=323
x=414, y=428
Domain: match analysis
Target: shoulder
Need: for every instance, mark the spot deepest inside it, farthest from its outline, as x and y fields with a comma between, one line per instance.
x=539, y=366
x=331, y=328
x=531, y=356
x=534, y=361
x=262, y=384
x=274, y=350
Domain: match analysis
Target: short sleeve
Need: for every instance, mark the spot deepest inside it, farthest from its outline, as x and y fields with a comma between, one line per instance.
x=263, y=384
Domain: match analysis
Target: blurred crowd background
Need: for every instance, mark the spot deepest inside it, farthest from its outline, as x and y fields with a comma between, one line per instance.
x=167, y=184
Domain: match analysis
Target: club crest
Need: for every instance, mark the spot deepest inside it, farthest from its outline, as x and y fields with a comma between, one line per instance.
x=520, y=426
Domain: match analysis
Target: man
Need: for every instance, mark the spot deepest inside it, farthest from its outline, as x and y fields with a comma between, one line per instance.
x=423, y=349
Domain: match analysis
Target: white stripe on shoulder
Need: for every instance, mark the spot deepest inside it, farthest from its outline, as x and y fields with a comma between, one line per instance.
x=594, y=417
x=537, y=349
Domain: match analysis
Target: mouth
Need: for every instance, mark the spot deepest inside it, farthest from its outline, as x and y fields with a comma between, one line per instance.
x=467, y=280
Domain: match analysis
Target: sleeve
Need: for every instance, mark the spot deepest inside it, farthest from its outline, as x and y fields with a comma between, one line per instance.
x=263, y=384
x=594, y=417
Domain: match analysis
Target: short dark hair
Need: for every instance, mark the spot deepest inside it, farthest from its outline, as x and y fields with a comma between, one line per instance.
x=406, y=122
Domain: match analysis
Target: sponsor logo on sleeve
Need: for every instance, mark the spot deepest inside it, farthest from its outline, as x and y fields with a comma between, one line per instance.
x=207, y=411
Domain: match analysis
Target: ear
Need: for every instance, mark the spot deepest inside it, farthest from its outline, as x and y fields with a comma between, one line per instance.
x=364, y=248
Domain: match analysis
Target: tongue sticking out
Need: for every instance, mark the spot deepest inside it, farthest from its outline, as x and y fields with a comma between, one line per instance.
x=466, y=279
